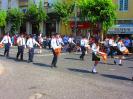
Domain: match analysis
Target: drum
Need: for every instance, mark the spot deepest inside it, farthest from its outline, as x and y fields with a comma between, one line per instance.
x=125, y=51
x=1, y=45
x=104, y=56
x=57, y=51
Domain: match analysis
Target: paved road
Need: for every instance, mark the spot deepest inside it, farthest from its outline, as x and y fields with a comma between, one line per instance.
x=71, y=80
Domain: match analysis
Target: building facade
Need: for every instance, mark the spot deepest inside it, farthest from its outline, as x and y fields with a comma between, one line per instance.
x=23, y=4
x=124, y=21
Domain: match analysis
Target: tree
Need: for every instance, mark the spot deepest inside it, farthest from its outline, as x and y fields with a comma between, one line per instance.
x=36, y=14
x=100, y=12
x=63, y=10
x=3, y=16
x=15, y=18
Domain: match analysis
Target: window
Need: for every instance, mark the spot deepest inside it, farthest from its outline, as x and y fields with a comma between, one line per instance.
x=123, y=5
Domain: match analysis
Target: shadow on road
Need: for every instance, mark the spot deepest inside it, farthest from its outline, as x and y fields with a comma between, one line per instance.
x=79, y=70
x=106, y=63
x=130, y=67
x=42, y=65
x=115, y=77
x=72, y=58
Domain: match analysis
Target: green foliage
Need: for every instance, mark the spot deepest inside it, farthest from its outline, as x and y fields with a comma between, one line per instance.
x=98, y=11
x=15, y=17
x=3, y=15
x=35, y=14
x=42, y=16
x=63, y=10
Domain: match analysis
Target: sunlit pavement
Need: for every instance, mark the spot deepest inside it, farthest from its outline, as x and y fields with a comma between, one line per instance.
x=72, y=79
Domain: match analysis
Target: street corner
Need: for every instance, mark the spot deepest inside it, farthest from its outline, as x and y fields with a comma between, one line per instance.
x=2, y=70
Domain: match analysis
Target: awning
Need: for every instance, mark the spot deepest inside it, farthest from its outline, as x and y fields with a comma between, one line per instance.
x=121, y=29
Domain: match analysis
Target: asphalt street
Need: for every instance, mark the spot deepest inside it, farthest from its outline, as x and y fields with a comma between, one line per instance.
x=72, y=79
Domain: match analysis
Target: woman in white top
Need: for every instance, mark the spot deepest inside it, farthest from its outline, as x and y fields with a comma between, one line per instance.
x=95, y=55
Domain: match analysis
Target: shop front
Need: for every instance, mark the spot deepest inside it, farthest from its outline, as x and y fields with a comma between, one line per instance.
x=122, y=30
x=83, y=28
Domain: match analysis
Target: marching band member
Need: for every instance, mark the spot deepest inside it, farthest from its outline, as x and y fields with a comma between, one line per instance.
x=7, y=42
x=21, y=45
x=83, y=47
x=95, y=57
x=30, y=44
x=56, y=49
x=121, y=50
x=71, y=44
x=112, y=46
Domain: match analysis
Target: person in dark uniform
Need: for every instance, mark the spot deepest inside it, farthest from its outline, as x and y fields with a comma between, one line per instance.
x=21, y=45
x=56, y=48
x=83, y=47
x=30, y=44
x=7, y=42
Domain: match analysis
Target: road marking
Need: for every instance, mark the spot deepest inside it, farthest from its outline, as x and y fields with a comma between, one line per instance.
x=112, y=69
x=37, y=96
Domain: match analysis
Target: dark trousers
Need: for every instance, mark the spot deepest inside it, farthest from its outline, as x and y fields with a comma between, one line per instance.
x=31, y=54
x=20, y=52
x=112, y=50
x=7, y=48
x=55, y=58
x=83, y=49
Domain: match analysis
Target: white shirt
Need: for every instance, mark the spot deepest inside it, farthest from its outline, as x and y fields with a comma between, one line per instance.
x=31, y=42
x=95, y=48
x=84, y=42
x=121, y=46
x=55, y=43
x=70, y=40
x=61, y=41
x=6, y=39
x=112, y=43
x=21, y=41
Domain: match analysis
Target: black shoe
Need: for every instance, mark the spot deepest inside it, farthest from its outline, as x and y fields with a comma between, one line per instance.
x=132, y=78
x=29, y=61
x=81, y=58
x=21, y=59
x=52, y=65
x=114, y=62
x=94, y=72
x=120, y=64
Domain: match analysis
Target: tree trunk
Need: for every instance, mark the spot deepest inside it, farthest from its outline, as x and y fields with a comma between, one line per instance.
x=102, y=35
